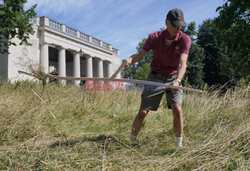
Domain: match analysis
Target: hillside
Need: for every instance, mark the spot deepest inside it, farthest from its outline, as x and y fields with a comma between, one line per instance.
x=69, y=128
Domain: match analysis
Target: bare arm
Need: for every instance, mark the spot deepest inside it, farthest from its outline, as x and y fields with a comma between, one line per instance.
x=181, y=70
x=182, y=66
x=136, y=57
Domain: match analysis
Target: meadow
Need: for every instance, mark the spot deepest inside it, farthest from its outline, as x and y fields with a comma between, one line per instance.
x=68, y=128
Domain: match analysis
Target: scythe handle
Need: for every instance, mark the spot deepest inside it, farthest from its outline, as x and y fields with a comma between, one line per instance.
x=119, y=79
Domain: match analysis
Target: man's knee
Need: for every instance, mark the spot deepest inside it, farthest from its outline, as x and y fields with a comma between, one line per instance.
x=176, y=108
x=142, y=113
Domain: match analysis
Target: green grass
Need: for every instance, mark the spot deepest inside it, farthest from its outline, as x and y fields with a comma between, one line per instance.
x=69, y=128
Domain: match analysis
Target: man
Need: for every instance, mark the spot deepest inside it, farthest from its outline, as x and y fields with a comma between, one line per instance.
x=170, y=53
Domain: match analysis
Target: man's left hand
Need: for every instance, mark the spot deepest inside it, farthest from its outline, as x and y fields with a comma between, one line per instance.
x=175, y=83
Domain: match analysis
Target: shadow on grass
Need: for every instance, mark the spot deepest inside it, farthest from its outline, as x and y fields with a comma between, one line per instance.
x=70, y=143
x=104, y=140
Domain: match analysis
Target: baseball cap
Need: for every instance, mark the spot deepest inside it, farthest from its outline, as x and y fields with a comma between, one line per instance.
x=176, y=17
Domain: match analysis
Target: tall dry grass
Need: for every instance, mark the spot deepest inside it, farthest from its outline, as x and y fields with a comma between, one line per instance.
x=67, y=128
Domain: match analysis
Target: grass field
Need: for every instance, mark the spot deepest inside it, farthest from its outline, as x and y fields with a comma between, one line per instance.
x=69, y=128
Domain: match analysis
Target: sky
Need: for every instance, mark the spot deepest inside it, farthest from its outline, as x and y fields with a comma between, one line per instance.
x=122, y=23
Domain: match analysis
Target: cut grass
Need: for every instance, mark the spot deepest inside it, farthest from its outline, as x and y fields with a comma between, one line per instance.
x=67, y=128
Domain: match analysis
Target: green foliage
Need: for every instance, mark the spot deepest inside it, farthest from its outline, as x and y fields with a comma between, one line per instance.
x=233, y=11
x=215, y=51
x=14, y=22
x=143, y=71
x=190, y=31
x=233, y=22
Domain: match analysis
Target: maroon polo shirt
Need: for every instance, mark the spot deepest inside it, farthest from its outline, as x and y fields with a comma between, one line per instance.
x=166, y=54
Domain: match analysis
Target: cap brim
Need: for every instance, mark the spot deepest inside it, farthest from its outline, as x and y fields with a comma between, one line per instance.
x=178, y=23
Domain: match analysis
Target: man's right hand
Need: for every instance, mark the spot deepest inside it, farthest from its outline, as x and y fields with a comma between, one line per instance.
x=175, y=83
x=127, y=62
x=135, y=58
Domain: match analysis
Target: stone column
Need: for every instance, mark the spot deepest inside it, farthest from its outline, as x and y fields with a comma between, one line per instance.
x=109, y=74
x=89, y=66
x=100, y=68
x=44, y=57
x=62, y=64
x=76, y=68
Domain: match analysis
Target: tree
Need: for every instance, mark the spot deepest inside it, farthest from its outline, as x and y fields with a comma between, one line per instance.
x=14, y=22
x=233, y=21
x=216, y=53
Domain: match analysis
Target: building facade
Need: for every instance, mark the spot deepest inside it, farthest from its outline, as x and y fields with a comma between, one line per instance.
x=59, y=47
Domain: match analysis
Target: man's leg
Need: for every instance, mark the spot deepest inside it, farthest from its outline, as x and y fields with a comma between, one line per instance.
x=177, y=123
x=150, y=100
x=138, y=122
x=178, y=120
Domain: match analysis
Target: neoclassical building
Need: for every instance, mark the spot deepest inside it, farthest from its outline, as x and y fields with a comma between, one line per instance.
x=69, y=51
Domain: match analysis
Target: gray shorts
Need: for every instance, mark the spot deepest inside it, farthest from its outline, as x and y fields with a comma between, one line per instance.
x=151, y=95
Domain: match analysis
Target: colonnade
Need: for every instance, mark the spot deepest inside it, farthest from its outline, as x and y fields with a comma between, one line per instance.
x=44, y=58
